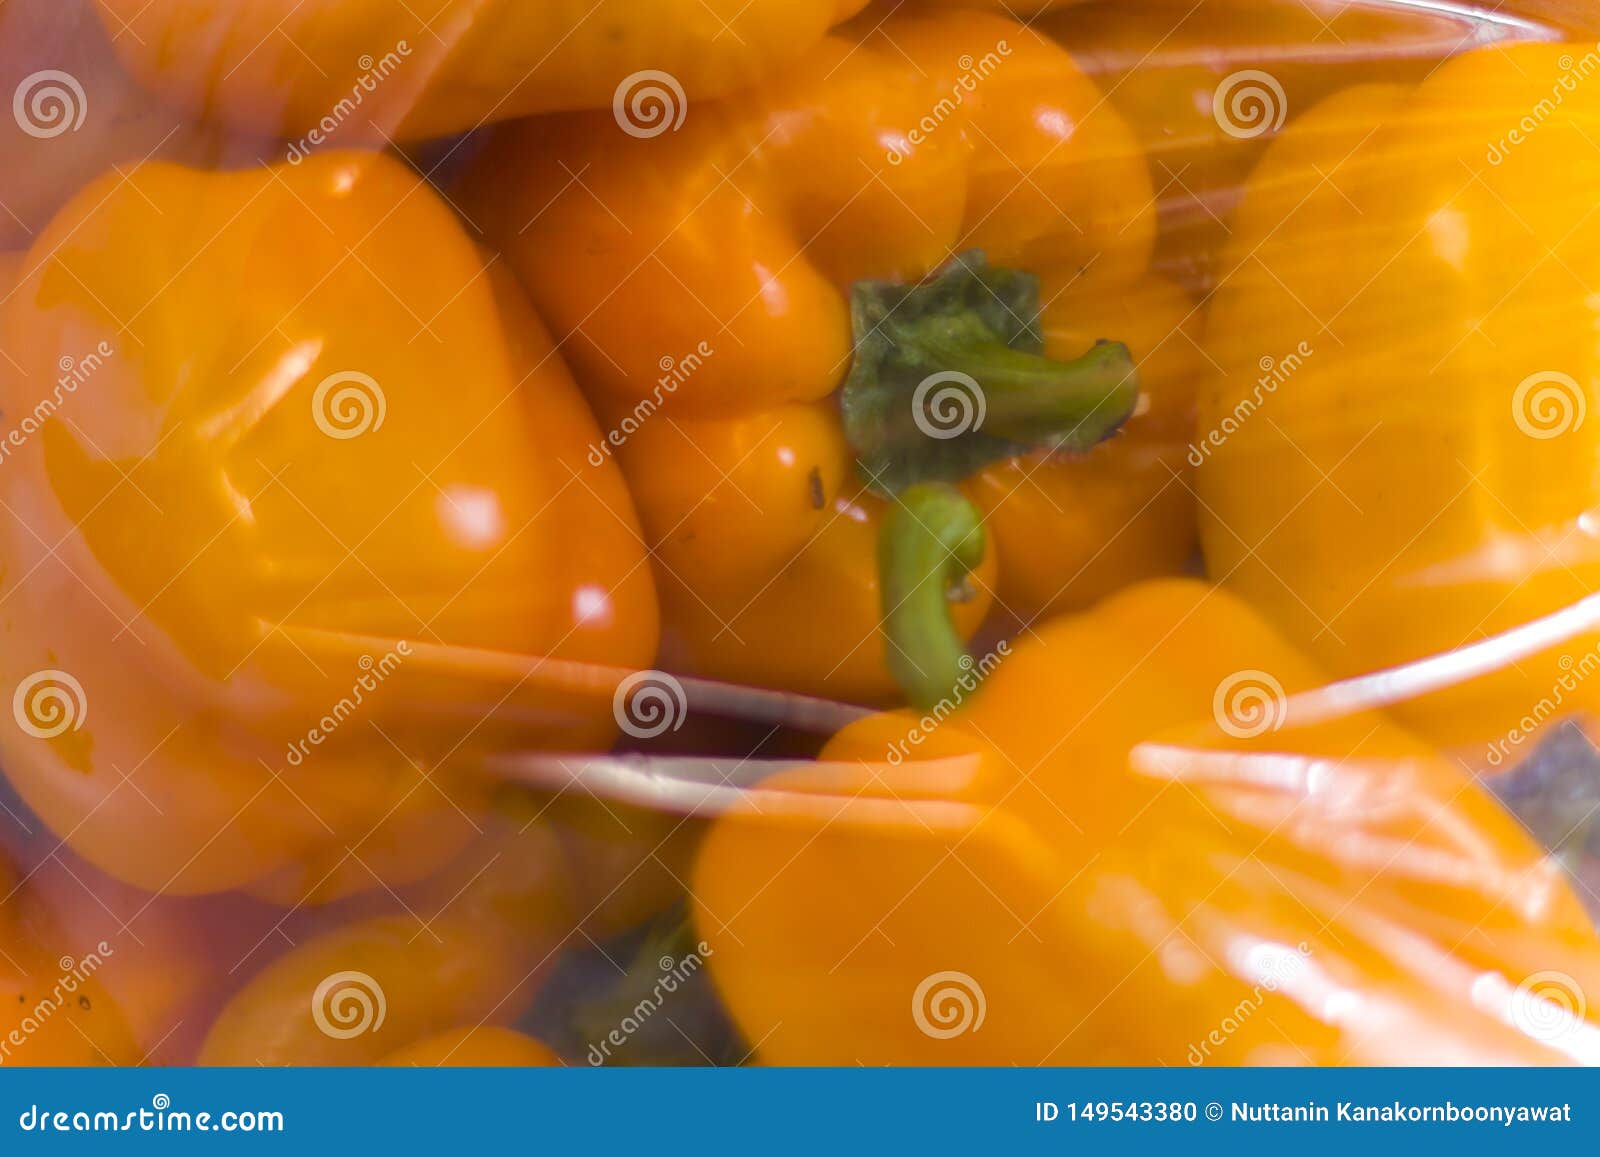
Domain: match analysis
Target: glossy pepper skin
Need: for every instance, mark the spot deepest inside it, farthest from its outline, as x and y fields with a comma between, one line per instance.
x=1069, y=529
x=706, y=278
x=299, y=537
x=1423, y=478
x=1130, y=848
x=1207, y=84
x=359, y=72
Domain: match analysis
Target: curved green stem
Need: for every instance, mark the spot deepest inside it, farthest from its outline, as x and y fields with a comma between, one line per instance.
x=931, y=539
x=950, y=374
x=1026, y=397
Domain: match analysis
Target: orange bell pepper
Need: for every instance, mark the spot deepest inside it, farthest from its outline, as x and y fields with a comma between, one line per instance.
x=316, y=541
x=1424, y=479
x=164, y=961
x=1069, y=529
x=1147, y=839
x=470, y=952
x=361, y=72
x=54, y=1008
x=1206, y=84
x=75, y=112
x=751, y=273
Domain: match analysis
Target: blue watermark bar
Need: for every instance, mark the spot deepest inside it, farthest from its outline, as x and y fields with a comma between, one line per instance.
x=746, y=1111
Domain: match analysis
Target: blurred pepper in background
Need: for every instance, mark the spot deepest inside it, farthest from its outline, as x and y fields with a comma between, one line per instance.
x=57, y=1010
x=1145, y=840
x=342, y=73
x=1207, y=84
x=76, y=113
x=1417, y=474
x=893, y=320
x=721, y=283
x=469, y=950
x=316, y=541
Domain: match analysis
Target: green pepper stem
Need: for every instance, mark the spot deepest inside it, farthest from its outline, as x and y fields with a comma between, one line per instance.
x=950, y=374
x=1027, y=397
x=932, y=538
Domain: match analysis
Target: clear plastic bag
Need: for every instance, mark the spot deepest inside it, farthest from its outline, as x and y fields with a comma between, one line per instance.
x=779, y=533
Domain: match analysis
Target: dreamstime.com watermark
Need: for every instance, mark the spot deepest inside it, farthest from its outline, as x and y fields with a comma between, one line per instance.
x=948, y=1004
x=1574, y=672
x=373, y=73
x=674, y=372
x=347, y=1004
x=49, y=703
x=348, y=404
x=160, y=1117
x=74, y=976
x=48, y=103
x=1574, y=72
x=1249, y=703
x=1547, y=1006
x=648, y=103
x=973, y=672
x=74, y=372
x=973, y=72
x=1274, y=967
x=373, y=673
x=673, y=973
x=1274, y=372
x=1249, y=104
x=948, y=404
x=649, y=703
x=1549, y=404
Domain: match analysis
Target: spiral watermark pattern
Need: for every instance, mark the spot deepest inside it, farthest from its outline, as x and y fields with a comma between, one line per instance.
x=675, y=973
x=1548, y=404
x=348, y=404
x=48, y=103
x=648, y=103
x=956, y=406
x=49, y=703
x=1249, y=703
x=347, y=1004
x=1249, y=104
x=649, y=703
x=947, y=1004
x=1548, y=1006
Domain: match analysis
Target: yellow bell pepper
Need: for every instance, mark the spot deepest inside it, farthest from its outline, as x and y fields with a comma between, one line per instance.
x=1394, y=460
x=1146, y=839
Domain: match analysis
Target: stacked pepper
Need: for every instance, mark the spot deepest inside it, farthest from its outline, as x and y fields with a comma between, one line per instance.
x=1149, y=838
x=363, y=73
x=276, y=584
x=75, y=112
x=1425, y=479
x=879, y=361
x=1207, y=84
x=927, y=224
